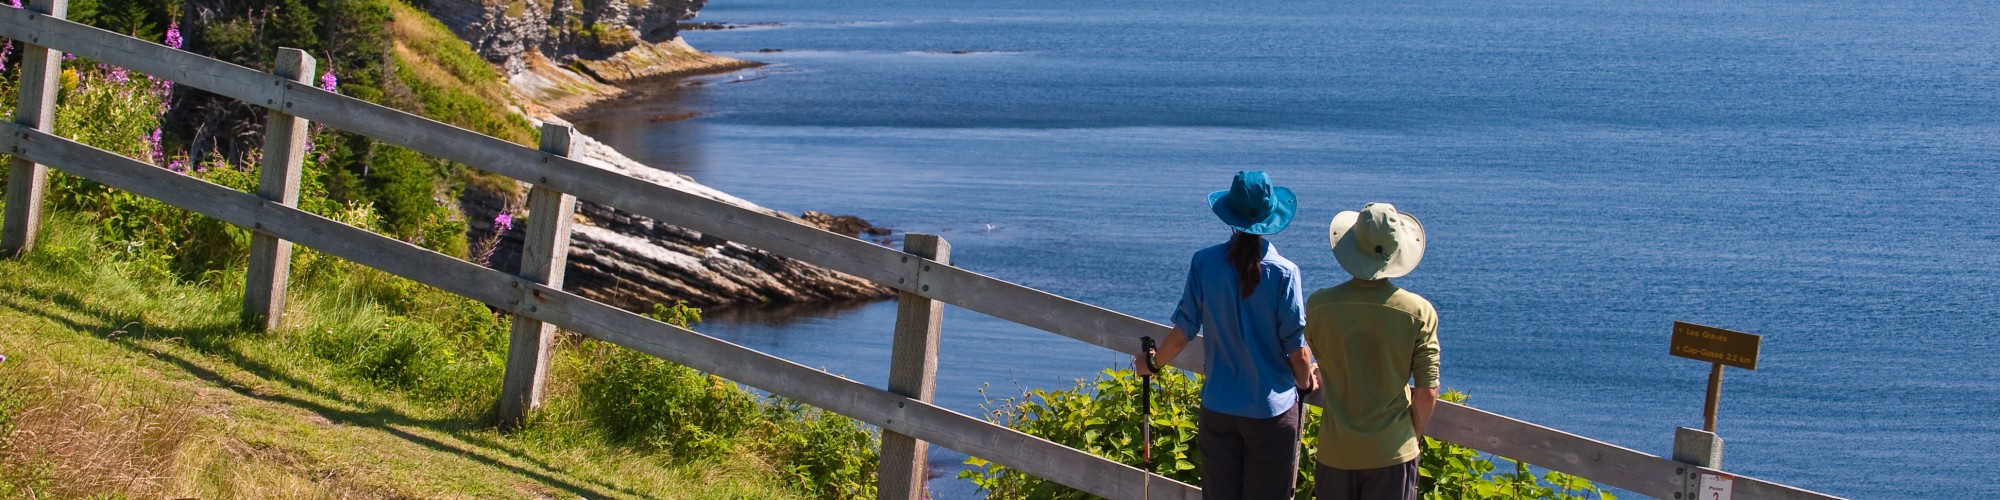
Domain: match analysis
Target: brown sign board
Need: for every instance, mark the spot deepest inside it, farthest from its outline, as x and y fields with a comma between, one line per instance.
x=1715, y=345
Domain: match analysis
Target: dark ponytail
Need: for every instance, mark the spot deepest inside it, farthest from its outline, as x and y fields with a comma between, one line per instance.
x=1246, y=256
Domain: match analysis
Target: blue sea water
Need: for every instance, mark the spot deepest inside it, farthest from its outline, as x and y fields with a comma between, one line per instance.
x=1820, y=173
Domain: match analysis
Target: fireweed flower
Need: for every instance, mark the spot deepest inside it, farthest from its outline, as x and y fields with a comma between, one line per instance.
x=17, y=4
x=6, y=49
x=329, y=83
x=503, y=222
x=173, y=33
x=177, y=166
x=153, y=145
x=120, y=75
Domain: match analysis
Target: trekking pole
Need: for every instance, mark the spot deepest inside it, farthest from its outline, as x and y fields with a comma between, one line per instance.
x=1146, y=401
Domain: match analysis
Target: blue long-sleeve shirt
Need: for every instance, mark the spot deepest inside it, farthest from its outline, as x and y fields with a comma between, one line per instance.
x=1248, y=372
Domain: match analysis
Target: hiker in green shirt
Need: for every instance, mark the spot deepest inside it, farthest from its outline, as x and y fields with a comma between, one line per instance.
x=1371, y=339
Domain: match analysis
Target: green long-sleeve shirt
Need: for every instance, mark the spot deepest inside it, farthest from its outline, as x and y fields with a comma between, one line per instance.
x=1371, y=339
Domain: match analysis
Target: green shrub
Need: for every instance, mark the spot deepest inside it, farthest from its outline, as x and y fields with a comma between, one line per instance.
x=608, y=37
x=1102, y=417
x=645, y=401
x=823, y=453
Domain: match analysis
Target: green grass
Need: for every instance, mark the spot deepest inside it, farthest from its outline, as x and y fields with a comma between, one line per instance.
x=121, y=381
x=451, y=83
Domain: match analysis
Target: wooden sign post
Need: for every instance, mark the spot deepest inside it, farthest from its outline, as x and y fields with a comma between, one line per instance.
x=1718, y=346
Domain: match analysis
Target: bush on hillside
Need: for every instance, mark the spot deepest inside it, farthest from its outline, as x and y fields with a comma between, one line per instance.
x=1102, y=417
x=646, y=401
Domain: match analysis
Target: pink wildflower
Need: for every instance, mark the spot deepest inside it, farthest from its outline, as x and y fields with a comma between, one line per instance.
x=503, y=222
x=177, y=166
x=120, y=75
x=173, y=33
x=153, y=145
x=329, y=83
x=17, y=4
x=6, y=49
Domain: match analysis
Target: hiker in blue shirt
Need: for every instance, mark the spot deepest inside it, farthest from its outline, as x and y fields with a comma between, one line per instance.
x=1246, y=301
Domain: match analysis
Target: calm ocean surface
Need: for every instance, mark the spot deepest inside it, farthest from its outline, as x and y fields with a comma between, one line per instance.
x=1823, y=174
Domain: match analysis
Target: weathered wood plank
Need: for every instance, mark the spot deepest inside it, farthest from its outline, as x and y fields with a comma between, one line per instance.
x=1052, y=313
x=892, y=412
x=26, y=180
x=1542, y=446
x=257, y=214
x=544, y=254
x=245, y=84
x=912, y=373
x=285, y=139
x=1580, y=456
x=711, y=217
x=1758, y=489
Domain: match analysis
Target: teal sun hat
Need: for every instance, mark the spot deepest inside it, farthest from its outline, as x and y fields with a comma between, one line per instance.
x=1252, y=205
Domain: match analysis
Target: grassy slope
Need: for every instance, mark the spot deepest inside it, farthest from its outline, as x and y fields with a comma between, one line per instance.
x=122, y=384
x=453, y=84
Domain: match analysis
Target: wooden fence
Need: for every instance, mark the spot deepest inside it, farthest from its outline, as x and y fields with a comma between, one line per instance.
x=922, y=274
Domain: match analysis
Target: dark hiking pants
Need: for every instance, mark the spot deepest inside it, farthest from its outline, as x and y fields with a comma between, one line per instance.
x=1248, y=458
x=1395, y=482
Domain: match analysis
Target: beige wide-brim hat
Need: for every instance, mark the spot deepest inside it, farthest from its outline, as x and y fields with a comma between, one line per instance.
x=1377, y=242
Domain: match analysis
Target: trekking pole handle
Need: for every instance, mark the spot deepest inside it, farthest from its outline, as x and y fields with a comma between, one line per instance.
x=1146, y=344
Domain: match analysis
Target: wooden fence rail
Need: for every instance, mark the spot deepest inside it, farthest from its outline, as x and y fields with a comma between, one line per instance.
x=528, y=298
x=540, y=300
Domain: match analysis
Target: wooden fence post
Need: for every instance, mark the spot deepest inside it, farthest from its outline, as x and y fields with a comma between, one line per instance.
x=285, y=139
x=912, y=373
x=1695, y=447
x=543, y=254
x=40, y=67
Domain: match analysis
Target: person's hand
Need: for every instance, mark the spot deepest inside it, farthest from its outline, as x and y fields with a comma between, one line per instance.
x=1139, y=365
x=1311, y=384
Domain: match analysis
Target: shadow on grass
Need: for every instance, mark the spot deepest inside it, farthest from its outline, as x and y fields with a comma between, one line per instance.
x=212, y=338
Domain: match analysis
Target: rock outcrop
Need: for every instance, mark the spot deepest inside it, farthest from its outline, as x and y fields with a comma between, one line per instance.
x=563, y=54
x=633, y=262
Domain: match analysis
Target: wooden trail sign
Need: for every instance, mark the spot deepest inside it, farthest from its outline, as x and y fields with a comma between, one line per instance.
x=1718, y=346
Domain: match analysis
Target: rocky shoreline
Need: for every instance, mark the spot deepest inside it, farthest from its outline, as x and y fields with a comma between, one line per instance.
x=561, y=57
x=634, y=262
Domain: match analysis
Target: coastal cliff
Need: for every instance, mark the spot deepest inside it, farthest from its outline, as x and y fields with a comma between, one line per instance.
x=560, y=55
x=563, y=54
